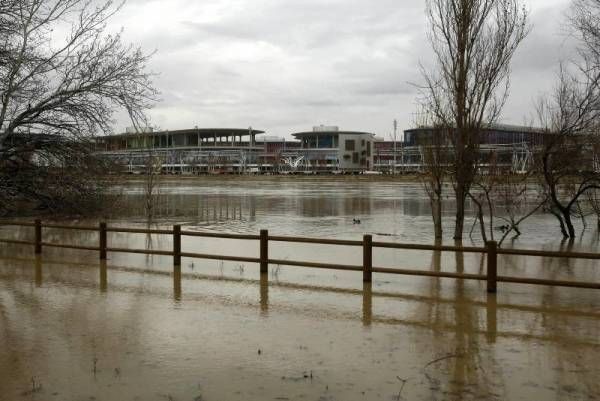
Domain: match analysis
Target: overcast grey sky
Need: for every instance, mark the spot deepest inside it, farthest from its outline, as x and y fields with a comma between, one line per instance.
x=286, y=65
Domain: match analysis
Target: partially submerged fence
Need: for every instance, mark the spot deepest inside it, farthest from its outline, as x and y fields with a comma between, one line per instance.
x=491, y=250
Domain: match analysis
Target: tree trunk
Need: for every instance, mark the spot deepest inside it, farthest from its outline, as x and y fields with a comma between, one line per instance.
x=569, y=223
x=481, y=224
x=460, y=212
x=479, y=218
x=436, y=214
x=563, y=229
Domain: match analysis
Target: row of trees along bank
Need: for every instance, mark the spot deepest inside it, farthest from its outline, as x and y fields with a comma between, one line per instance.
x=474, y=42
x=56, y=94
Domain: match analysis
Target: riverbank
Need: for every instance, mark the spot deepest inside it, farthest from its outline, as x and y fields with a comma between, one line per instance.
x=341, y=177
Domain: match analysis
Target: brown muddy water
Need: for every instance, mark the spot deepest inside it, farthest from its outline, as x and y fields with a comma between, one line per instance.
x=72, y=328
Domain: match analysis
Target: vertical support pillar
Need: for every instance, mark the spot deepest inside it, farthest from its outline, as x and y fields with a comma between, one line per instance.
x=492, y=265
x=264, y=251
x=177, y=245
x=367, y=258
x=38, y=237
x=102, y=241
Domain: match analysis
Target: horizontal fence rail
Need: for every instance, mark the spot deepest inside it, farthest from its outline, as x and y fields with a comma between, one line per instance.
x=491, y=250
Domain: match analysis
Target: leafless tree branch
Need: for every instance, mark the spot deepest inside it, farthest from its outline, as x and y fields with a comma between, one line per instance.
x=474, y=42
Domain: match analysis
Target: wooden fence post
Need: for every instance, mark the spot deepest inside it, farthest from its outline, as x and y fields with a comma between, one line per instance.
x=177, y=245
x=492, y=265
x=177, y=283
x=491, y=319
x=264, y=293
x=38, y=237
x=102, y=241
x=367, y=306
x=264, y=251
x=367, y=258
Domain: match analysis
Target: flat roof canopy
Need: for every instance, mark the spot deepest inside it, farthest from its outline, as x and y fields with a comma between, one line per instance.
x=327, y=133
x=489, y=128
x=202, y=132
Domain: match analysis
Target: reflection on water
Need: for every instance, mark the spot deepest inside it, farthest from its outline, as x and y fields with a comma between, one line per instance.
x=136, y=328
x=190, y=334
x=314, y=206
x=38, y=270
x=103, y=276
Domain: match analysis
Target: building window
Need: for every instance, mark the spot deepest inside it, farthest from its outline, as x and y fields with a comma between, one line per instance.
x=326, y=141
x=368, y=149
x=362, y=143
x=355, y=157
x=349, y=144
x=192, y=140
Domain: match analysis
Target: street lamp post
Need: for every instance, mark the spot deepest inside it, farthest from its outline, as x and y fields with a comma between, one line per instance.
x=395, y=129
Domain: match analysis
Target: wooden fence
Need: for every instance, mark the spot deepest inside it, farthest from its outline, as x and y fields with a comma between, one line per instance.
x=491, y=250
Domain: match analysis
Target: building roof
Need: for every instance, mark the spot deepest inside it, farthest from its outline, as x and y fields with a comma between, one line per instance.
x=323, y=133
x=491, y=127
x=203, y=132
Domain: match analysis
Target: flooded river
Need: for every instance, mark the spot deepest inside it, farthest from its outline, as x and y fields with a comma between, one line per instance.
x=75, y=328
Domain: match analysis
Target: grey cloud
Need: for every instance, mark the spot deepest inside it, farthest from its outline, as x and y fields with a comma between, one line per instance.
x=548, y=42
x=227, y=31
x=287, y=65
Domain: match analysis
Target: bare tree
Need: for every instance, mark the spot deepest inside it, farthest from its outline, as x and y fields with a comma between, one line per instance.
x=517, y=198
x=152, y=163
x=570, y=147
x=63, y=90
x=568, y=158
x=482, y=194
x=585, y=19
x=435, y=152
x=593, y=198
x=473, y=42
x=46, y=180
x=500, y=196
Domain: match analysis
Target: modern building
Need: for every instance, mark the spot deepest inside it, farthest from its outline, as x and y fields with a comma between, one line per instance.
x=324, y=149
x=328, y=149
x=511, y=145
x=234, y=150
x=195, y=150
x=495, y=134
